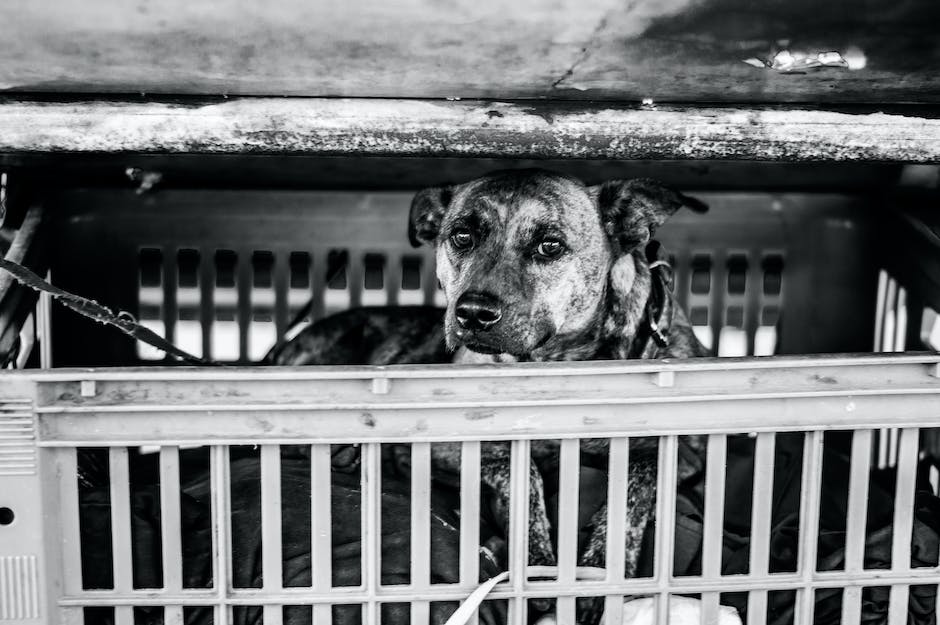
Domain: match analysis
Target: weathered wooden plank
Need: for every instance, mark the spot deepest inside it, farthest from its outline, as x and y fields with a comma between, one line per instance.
x=676, y=50
x=473, y=129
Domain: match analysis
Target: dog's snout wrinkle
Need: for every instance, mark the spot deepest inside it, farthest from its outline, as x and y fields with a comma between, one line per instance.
x=477, y=311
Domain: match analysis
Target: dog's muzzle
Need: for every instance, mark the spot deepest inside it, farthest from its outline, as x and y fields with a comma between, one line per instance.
x=477, y=312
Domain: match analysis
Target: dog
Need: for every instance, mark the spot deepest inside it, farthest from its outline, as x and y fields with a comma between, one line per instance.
x=535, y=266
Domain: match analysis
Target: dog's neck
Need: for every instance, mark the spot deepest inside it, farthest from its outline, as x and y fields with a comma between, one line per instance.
x=614, y=330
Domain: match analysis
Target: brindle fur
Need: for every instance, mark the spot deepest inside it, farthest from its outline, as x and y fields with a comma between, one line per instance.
x=586, y=304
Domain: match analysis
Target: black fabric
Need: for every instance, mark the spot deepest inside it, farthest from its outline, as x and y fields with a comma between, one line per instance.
x=784, y=546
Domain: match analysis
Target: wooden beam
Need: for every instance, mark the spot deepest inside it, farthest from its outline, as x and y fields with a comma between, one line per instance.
x=464, y=129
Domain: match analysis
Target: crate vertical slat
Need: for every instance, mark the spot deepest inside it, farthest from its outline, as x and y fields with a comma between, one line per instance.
x=855, y=523
x=712, y=540
x=904, y=499
x=810, y=489
x=170, y=530
x=124, y=615
x=392, y=276
x=243, y=277
x=318, y=283
x=354, y=277
x=717, y=310
x=170, y=285
x=752, y=297
x=420, y=528
x=760, y=524
x=757, y=607
x=321, y=543
x=66, y=462
x=520, y=459
x=470, y=456
x=372, y=527
x=710, y=608
x=121, y=519
x=207, y=283
x=220, y=477
x=281, y=283
x=763, y=499
x=469, y=509
x=881, y=305
x=858, y=501
x=890, y=316
x=617, y=485
x=569, y=475
x=173, y=615
x=568, y=497
x=271, y=551
x=665, y=527
x=903, y=522
x=715, y=462
x=429, y=281
x=851, y=605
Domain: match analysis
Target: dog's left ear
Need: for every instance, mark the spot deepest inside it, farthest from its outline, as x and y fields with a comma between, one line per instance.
x=427, y=210
x=632, y=210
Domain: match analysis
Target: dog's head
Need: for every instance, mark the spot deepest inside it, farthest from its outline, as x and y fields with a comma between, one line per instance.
x=526, y=257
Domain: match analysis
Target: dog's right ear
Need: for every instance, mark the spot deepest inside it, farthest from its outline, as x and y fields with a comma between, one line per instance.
x=427, y=210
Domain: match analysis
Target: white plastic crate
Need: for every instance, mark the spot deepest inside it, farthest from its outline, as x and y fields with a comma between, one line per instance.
x=48, y=416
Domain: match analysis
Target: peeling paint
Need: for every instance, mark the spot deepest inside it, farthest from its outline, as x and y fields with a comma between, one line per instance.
x=436, y=128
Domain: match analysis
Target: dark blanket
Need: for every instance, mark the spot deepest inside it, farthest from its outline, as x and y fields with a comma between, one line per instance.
x=785, y=519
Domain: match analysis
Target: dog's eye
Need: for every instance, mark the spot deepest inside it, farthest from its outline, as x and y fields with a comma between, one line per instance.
x=462, y=239
x=550, y=248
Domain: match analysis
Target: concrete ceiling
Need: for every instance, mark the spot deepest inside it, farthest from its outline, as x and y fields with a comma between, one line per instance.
x=667, y=50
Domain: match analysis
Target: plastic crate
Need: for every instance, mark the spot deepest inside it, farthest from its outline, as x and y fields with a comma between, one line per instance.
x=207, y=271
x=202, y=265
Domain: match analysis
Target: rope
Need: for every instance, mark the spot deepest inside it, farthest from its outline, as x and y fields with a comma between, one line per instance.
x=123, y=321
x=472, y=603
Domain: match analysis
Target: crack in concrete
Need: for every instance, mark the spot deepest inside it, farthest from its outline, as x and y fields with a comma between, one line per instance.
x=585, y=51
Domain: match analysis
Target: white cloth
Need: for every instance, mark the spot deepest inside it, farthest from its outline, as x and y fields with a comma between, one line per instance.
x=682, y=611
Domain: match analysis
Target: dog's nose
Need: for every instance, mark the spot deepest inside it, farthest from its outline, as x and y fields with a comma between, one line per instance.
x=477, y=311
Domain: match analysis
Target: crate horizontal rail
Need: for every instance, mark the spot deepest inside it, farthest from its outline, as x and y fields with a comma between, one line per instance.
x=478, y=403
x=472, y=128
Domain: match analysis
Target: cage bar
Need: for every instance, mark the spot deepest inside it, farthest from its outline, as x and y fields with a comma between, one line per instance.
x=761, y=507
x=568, y=498
x=858, y=501
x=66, y=472
x=220, y=476
x=519, y=528
x=420, y=529
x=321, y=543
x=171, y=533
x=121, y=539
x=903, y=522
x=618, y=480
x=665, y=527
x=715, y=465
x=470, y=511
x=271, y=551
x=810, y=489
x=712, y=537
x=372, y=528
